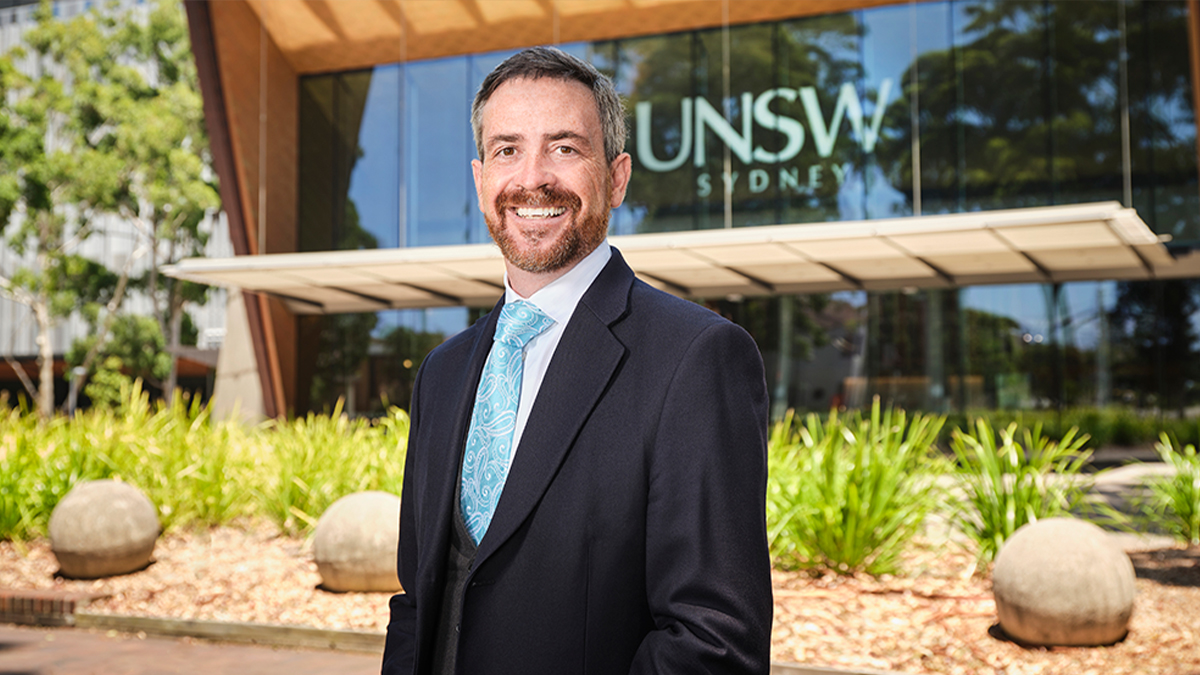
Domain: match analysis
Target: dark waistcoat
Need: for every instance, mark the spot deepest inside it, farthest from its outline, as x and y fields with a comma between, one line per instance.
x=459, y=557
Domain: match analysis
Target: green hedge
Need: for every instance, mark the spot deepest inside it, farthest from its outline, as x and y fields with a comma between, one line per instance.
x=847, y=492
x=1114, y=426
x=198, y=471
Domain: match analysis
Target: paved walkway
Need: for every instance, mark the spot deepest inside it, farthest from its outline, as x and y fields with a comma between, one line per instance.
x=70, y=651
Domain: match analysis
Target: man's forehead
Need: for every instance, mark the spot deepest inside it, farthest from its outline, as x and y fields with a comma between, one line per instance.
x=547, y=80
x=507, y=94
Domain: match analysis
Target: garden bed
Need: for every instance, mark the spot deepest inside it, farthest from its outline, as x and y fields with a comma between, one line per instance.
x=938, y=617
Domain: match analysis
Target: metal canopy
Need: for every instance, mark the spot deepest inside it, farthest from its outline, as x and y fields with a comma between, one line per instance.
x=1035, y=245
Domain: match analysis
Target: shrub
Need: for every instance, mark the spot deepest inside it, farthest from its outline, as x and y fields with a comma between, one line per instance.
x=311, y=462
x=848, y=495
x=198, y=472
x=1014, y=483
x=1174, y=500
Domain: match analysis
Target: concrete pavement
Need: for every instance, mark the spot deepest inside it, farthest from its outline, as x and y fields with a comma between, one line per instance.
x=71, y=651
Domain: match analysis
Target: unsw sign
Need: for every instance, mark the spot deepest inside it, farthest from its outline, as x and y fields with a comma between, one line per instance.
x=697, y=116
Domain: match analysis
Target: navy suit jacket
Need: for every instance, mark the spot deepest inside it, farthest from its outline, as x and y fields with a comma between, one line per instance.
x=630, y=536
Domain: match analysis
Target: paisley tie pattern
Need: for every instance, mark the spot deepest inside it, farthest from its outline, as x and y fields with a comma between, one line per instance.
x=494, y=418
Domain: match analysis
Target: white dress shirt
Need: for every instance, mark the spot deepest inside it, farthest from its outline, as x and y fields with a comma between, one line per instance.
x=558, y=300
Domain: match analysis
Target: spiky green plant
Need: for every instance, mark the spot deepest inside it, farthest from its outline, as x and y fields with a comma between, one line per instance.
x=311, y=462
x=1011, y=483
x=198, y=472
x=849, y=494
x=1173, y=504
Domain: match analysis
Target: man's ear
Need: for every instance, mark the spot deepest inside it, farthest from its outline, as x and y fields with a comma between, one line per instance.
x=620, y=170
x=477, y=172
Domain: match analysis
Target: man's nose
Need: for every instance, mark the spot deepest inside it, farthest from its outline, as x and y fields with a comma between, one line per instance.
x=535, y=171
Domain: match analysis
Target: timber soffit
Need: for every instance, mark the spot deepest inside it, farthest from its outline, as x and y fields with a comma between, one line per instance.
x=334, y=35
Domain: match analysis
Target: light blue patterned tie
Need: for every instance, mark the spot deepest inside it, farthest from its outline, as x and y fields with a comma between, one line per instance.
x=489, y=440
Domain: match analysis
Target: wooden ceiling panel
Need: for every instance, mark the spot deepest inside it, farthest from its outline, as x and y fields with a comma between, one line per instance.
x=320, y=36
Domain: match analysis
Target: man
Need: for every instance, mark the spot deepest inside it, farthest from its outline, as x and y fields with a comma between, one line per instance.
x=586, y=473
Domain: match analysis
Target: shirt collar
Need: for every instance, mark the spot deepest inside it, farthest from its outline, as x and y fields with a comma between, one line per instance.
x=559, y=297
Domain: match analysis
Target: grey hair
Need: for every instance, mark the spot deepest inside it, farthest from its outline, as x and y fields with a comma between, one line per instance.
x=538, y=62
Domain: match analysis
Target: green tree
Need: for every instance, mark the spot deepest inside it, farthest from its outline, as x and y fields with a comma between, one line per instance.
x=160, y=137
x=155, y=135
x=57, y=174
x=134, y=348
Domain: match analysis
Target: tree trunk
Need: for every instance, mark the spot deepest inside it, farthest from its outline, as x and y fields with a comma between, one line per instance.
x=110, y=314
x=159, y=314
x=176, y=308
x=41, y=311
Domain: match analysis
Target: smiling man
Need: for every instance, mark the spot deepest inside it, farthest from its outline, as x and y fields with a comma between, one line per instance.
x=586, y=471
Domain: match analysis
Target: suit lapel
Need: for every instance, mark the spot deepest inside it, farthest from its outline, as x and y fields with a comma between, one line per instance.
x=582, y=367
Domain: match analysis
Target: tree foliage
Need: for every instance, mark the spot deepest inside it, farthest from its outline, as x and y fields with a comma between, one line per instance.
x=58, y=172
x=101, y=115
x=161, y=138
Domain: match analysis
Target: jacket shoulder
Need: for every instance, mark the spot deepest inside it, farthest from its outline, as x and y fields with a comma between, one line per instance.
x=671, y=311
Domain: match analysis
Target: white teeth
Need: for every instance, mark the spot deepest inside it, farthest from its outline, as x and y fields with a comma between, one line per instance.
x=543, y=212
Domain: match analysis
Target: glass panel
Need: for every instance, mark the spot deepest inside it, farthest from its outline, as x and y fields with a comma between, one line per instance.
x=822, y=57
x=1021, y=343
x=657, y=73
x=937, y=105
x=883, y=184
x=896, y=352
x=439, y=190
x=1003, y=51
x=812, y=346
x=399, y=344
x=374, y=189
x=317, y=152
x=1085, y=145
x=349, y=164
x=1154, y=344
x=1162, y=119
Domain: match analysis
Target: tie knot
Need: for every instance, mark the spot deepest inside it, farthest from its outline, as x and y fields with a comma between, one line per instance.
x=520, y=322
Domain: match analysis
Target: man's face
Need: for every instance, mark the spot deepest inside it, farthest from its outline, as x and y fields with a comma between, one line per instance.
x=544, y=186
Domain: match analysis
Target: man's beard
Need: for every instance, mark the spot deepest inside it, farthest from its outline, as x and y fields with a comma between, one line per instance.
x=581, y=236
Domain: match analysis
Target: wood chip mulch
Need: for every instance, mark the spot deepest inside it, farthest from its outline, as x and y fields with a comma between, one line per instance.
x=938, y=617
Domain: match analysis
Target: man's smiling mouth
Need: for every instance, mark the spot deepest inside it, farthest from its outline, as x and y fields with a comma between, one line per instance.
x=540, y=211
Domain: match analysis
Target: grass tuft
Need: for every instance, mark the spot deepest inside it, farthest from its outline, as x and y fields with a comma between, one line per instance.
x=848, y=494
x=1013, y=482
x=198, y=471
x=1173, y=504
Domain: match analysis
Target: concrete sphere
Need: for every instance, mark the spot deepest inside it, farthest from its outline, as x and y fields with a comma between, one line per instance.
x=355, y=543
x=103, y=528
x=1062, y=581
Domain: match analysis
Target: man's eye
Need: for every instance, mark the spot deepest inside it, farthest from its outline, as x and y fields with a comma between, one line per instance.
x=506, y=152
x=566, y=150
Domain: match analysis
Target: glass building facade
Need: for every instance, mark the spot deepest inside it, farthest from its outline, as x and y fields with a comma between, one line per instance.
x=917, y=109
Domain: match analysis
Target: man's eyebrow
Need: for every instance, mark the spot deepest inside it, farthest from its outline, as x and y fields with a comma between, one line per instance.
x=556, y=136
x=504, y=138
x=567, y=135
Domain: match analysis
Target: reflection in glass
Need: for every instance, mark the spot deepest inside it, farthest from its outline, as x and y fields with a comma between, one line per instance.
x=1162, y=119
x=439, y=190
x=918, y=108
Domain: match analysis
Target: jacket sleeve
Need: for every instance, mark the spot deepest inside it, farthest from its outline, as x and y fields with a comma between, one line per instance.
x=708, y=571
x=399, y=650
